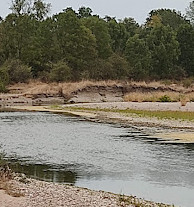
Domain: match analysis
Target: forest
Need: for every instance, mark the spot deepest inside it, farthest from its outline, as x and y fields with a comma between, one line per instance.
x=76, y=45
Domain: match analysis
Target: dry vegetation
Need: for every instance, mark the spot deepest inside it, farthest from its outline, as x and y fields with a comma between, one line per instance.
x=5, y=177
x=175, y=92
x=37, y=87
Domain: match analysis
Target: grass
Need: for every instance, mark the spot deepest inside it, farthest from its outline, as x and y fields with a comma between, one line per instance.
x=133, y=201
x=38, y=87
x=188, y=116
x=5, y=176
x=157, y=97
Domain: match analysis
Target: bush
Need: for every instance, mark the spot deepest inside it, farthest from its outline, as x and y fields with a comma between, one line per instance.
x=4, y=79
x=2, y=87
x=102, y=70
x=188, y=82
x=60, y=72
x=165, y=98
x=17, y=71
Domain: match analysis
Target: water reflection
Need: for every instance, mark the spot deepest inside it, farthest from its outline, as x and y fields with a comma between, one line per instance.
x=57, y=174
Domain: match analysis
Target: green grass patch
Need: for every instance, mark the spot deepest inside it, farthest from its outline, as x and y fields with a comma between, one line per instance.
x=188, y=116
x=55, y=107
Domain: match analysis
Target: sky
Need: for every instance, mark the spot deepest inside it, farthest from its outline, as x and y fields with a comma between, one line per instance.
x=138, y=9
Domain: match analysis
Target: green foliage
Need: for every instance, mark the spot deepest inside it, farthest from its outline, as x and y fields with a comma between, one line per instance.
x=84, y=12
x=60, y=72
x=2, y=87
x=115, y=67
x=35, y=8
x=139, y=57
x=94, y=47
x=185, y=37
x=17, y=71
x=120, y=67
x=4, y=79
x=131, y=26
x=165, y=98
x=190, y=12
x=40, y=9
x=100, y=29
x=101, y=70
x=76, y=42
x=164, y=50
x=165, y=17
x=118, y=34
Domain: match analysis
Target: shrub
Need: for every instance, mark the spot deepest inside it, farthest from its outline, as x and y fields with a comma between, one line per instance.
x=60, y=72
x=188, y=82
x=165, y=98
x=2, y=87
x=4, y=79
x=102, y=70
x=17, y=71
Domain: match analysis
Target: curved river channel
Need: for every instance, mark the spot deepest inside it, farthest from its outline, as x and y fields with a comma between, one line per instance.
x=98, y=156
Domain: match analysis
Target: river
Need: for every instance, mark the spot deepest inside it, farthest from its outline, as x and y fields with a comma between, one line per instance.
x=67, y=149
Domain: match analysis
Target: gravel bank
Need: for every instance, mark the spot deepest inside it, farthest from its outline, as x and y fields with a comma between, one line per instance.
x=42, y=194
x=151, y=106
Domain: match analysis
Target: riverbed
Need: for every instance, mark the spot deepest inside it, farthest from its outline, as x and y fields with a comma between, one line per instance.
x=68, y=149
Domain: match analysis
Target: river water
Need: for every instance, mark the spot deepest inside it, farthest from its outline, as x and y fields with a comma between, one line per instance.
x=98, y=156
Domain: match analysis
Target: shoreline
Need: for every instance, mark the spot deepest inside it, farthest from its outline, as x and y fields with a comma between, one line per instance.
x=43, y=194
x=168, y=130
x=34, y=193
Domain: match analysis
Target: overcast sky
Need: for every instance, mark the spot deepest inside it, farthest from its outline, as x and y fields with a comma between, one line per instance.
x=138, y=9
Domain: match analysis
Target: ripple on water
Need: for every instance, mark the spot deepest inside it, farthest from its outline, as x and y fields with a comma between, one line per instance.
x=100, y=156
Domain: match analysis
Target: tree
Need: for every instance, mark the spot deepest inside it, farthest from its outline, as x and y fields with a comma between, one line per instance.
x=185, y=37
x=40, y=9
x=19, y=7
x=84, y=12
x=102, y=70
x=37, y=8
x=100, y=29
x=118, y=35
x=60, y=72
x=166, y=17
x=164, y=50
x=139, y=57
x=190, y=12
x=131, y=26
x=119, y=65
x=18, y=34
x=77, y=43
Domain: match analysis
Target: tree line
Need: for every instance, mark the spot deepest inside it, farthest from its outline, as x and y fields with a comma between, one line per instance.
x=71, y=46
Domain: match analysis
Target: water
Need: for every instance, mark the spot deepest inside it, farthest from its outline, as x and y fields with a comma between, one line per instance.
x=98, y=156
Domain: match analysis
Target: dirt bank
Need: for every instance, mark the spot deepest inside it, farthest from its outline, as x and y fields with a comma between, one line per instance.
x=38, y=93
